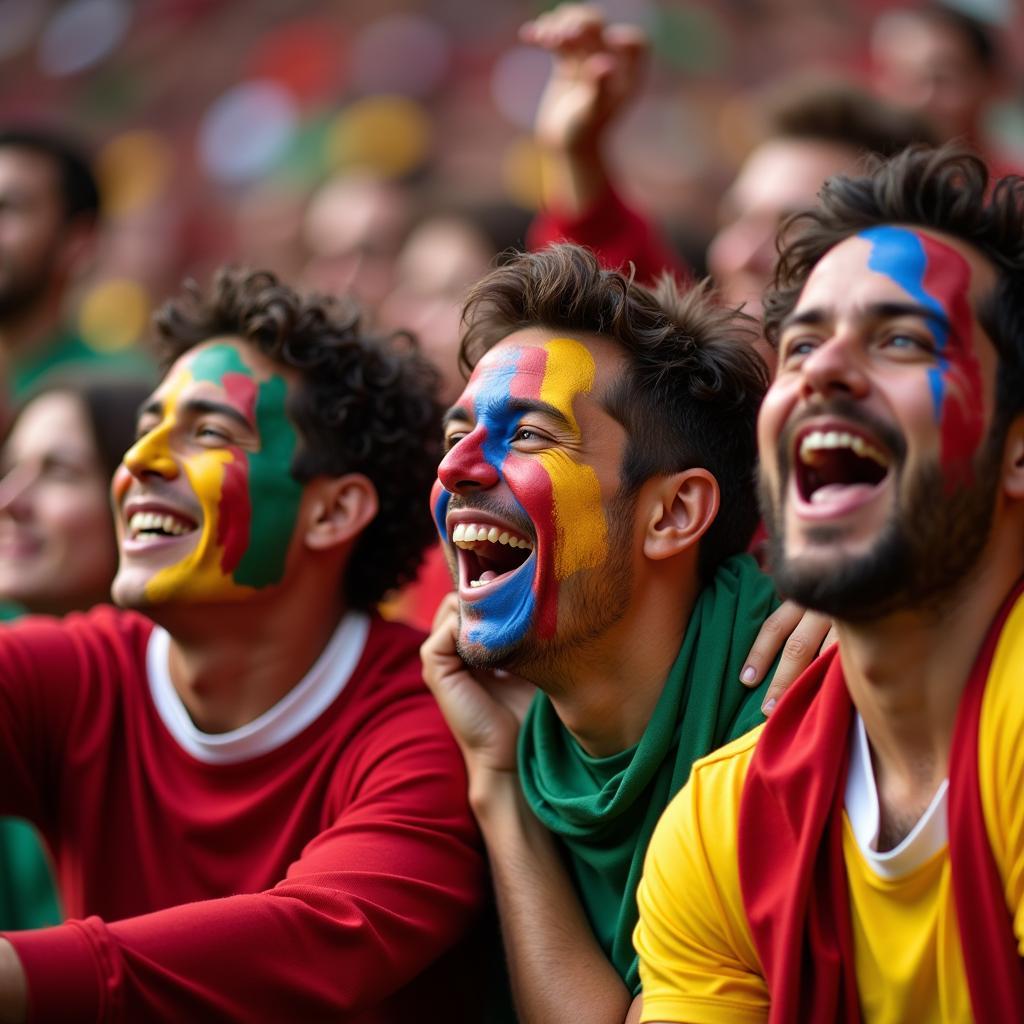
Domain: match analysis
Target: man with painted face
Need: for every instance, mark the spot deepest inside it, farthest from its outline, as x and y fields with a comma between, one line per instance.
x=256, y=811
x=889, y=778
x=596, y=492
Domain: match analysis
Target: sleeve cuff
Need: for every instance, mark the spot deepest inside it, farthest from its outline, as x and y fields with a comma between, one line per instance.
x=63, y=968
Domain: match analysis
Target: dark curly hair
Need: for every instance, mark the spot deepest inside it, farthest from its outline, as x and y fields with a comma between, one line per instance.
x=947, y=190
x=694, y=384
x=366, y=405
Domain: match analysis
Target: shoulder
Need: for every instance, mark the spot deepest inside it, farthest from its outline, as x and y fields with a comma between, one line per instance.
x=103, y=630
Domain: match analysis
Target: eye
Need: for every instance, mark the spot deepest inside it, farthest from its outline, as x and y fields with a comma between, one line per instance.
x=907, y=343
x=797, y=349
x=452, y=438
x=211, y=432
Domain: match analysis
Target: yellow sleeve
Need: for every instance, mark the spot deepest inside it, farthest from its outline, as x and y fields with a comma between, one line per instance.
x=697, y=959
x=1001, y=763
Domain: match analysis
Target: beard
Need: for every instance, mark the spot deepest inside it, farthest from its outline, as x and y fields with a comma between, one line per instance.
x=590, y=602
x=23, y=289
x=930, y=545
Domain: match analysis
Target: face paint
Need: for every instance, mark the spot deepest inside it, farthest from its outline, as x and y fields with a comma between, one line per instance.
x=937, y=276
x=559, y=495
x=248, y=499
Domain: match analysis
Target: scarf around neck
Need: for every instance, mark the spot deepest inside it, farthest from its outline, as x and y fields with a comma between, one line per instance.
x=603, y=810
x=795, y=887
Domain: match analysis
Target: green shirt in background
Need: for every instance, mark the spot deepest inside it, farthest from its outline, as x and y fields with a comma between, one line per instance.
x=604, y=809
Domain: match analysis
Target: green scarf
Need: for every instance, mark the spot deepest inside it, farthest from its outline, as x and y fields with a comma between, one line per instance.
x=605, y=809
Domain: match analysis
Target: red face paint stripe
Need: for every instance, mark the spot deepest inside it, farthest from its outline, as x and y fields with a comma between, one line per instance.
x=241, y=391
x=234, y=513
x=961, y=426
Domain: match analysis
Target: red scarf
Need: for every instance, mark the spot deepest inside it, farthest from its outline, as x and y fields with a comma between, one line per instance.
x=791, y=860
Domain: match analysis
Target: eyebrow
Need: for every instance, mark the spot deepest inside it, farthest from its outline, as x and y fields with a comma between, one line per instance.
x=875, y=311
x=199, y=406
x=519, y=405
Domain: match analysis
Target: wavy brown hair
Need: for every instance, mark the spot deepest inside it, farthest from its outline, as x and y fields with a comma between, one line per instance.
x=694, y=382
x=365, y=405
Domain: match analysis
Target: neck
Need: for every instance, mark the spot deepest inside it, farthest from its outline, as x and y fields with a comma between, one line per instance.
x=605, y=691
x=230, y=664
x=906, y=673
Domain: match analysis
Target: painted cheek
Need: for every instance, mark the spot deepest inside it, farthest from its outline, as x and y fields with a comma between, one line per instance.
x=234, y=512
x=957, y=385
x=439, y=501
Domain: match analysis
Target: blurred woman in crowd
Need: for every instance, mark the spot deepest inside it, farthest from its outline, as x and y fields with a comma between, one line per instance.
x=57, y=554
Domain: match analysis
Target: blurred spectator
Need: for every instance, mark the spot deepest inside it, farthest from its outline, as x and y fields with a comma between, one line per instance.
x=57, y=554
x=49, y=221
x=939, y=62
x=815, y=131
x=353, y=229
x=812, y=131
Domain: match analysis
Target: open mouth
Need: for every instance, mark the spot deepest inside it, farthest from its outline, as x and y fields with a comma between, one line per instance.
x=153, y=525
x=488, y=553
x=830, y=463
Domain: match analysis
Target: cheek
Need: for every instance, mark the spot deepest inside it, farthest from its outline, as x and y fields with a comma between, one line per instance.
x=578, y=512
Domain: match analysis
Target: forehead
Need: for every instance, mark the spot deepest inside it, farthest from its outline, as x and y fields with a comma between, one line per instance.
x=54, y=418
x=901, y=264
x=783, y=175
x=218, y=364
x=569, y=362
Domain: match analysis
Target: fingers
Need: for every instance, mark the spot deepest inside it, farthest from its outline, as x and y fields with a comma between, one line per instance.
x=568, y=28
x=772, y=635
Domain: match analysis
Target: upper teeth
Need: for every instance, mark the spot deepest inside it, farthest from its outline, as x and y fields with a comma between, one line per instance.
x=467, y=534
x=823, y=440
x=140, y=522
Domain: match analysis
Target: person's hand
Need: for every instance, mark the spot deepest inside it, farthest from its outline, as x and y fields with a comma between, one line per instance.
x=483, y=709
x=597, y=70
x=801, y=635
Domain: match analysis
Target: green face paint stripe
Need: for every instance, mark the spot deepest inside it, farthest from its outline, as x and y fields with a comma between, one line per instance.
x=270, y=478
x=274, y=494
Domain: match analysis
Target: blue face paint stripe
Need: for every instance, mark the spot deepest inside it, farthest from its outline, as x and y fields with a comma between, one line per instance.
x=899, y=254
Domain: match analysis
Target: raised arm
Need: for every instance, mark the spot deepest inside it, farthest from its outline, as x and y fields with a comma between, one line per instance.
x=597, y=70
x=558, y=971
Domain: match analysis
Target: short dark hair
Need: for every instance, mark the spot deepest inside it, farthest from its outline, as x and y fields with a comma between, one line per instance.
x=366, y=405
x=76, y=182
x=844, y=115
x=979, y=39
x=694, y=384
x=946, y=190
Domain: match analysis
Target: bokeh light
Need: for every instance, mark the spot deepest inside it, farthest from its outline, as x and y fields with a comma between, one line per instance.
x=114, y=314
x=246, y=130
x=133, y=169
x=306, y=57
x=20, y=19
x=521, y=171
x=403, y=54
x=389, y=135
x=517, y=82
x=81, y=34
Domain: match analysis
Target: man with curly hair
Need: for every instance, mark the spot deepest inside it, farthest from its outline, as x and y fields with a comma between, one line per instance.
x=255, y=808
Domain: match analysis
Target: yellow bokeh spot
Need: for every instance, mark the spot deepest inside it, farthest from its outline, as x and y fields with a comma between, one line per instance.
x=114, y=314
x=388, y=135
x=521, y=173
x=133, y=170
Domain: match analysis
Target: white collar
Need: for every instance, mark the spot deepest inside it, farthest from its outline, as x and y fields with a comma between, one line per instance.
x=924, y=840
x=296, y=710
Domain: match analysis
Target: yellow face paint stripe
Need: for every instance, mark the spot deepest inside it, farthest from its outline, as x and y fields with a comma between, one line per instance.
x=581, y=529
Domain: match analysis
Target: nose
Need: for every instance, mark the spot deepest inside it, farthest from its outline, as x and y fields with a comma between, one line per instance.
x=151, y=455
x=15, y=489
x=835, y=367
x=466, y=467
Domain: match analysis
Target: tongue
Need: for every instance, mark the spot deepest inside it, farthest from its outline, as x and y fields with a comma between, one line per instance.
x=487, y=575
x=839, y=492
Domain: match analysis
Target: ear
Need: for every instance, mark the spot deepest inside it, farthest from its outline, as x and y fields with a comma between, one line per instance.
x=341, y=508
x=681, y=509
x=1013, y=460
